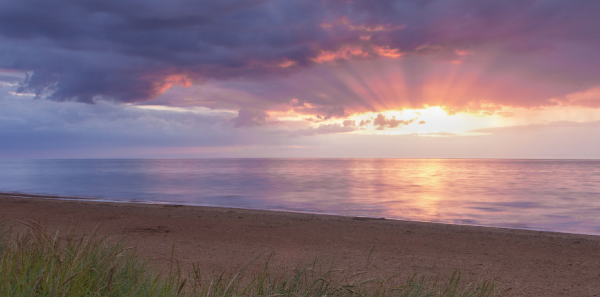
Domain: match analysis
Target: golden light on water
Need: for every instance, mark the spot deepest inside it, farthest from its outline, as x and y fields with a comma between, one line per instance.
x=427, y=204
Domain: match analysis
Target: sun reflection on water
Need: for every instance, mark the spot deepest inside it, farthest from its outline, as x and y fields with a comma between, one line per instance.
x=556, y=195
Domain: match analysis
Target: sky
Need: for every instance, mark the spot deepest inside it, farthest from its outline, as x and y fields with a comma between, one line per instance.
x=300, y=79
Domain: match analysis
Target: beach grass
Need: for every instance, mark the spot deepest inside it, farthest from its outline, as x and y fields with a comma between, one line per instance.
x=36, y=262
x=39, y=263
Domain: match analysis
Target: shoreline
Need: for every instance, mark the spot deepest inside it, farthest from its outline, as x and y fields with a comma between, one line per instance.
x=132, y=202
x=532, y=263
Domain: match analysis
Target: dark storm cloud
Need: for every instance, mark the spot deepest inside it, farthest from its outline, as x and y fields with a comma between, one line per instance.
x=128, y=51
x=123, y=49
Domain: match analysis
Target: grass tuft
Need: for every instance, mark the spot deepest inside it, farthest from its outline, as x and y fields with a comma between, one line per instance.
x=39, y=263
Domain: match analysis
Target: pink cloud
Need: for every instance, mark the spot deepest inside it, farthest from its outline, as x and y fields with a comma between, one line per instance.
x=173, y=80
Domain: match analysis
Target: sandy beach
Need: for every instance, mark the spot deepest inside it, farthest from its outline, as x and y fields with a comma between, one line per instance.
x=531, y=263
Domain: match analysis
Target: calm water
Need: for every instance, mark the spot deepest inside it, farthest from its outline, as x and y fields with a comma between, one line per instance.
x=557, y=195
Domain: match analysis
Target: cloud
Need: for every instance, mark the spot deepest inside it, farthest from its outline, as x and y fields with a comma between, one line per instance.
x=33, y=128
x=345, y=127
x=383, y=123
x=564, y=127
x=250, y=117
x=587, y=98
x=364, y=123
x=321, y=113
x=36, y=128
x=121, y=51
x=510, y=53
x=9, y=79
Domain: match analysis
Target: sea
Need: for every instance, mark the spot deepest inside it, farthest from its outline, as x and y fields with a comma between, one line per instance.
x=548, y=195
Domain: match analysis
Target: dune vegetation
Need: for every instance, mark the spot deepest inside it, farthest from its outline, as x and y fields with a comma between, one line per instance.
x=36, y=262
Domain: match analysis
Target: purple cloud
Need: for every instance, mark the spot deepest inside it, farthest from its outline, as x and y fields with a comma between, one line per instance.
x=527, y=52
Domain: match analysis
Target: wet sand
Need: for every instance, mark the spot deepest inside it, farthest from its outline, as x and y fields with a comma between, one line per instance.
x=531, y=263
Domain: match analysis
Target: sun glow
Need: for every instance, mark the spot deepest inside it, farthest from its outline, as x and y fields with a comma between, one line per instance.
x=431, y=121
x=436, y=122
